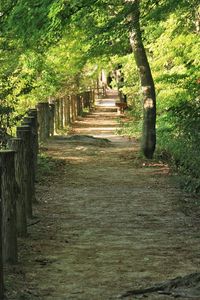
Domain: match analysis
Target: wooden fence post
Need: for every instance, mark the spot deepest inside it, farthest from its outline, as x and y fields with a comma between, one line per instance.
x=68, y=100
x=61, y=113
x=1, y=258
x=73, y=108
x=57, y=115
x=66, y=111
x=32, y=122
x=88, y=100
x=44, y=121
x=16, y=144
x=33, y=112
x=52, y=118
x=76, y=106
x=24, y=132
x=91, y=97
x=83, y=100
x=79, y=106
x=9, y=194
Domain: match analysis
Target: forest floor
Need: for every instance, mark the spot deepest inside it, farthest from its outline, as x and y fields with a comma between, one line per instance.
x=107, y=221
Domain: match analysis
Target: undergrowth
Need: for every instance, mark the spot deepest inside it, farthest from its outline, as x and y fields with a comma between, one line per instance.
x=47, y=167
x=130, y=126
x=179, y=150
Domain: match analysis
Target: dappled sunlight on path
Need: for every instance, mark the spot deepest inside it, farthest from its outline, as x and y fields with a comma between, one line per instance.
x=101, y=122
x=109, y=100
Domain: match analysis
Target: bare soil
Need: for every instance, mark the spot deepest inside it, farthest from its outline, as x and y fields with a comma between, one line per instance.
x=107, y=222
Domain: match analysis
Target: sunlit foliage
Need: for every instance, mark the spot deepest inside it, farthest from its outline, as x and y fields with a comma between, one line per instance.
x=48, y=48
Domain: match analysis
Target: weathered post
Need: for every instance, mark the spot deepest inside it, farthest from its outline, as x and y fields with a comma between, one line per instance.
x=57, y=115
x=83, y=100
x=33, y=113
x=16, y=144
x=32, y=122
x=66, y=112
x=68, y=117
x=74, y=107
x=88, y=100
x=43, y=120
x=97, y=87
x=72, y=102
x=24, y=132
x=52, y=118
x=9, y=193
x=79, y=106
x=82, y=103
x=1, y=257
x=91, y=95
x=61, y=113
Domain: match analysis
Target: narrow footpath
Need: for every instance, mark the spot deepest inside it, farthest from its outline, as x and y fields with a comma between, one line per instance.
x=109, y=222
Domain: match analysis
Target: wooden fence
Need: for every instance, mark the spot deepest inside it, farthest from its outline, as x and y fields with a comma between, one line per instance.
x=18, y=167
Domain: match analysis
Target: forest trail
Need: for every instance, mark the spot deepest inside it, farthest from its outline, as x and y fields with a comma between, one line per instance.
x=109, y=222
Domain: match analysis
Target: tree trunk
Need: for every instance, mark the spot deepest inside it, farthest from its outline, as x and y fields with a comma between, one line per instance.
x=147, y=83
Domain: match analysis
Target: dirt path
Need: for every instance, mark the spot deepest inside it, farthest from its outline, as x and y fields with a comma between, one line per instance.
x=108, y=224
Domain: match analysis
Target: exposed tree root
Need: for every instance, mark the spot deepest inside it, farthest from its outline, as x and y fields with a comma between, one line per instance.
x=184, y=287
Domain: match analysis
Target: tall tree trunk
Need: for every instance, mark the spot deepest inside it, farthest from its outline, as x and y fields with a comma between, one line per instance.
x=147, y=83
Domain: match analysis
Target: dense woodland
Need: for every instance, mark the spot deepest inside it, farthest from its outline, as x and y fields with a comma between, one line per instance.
x=52, y=48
